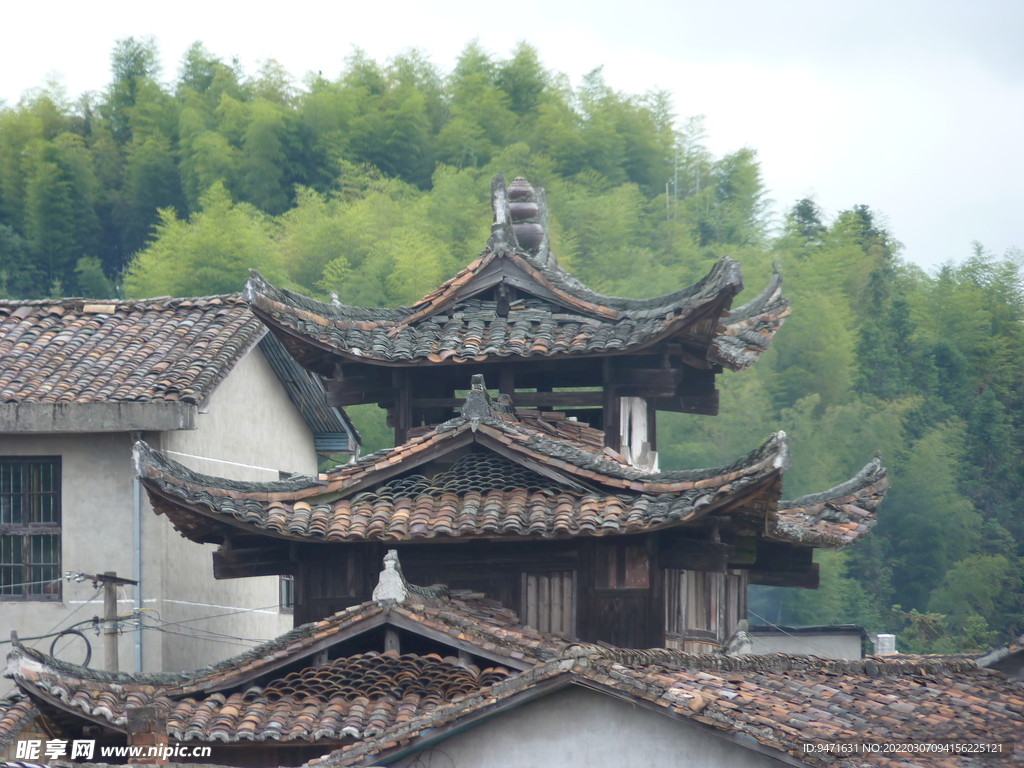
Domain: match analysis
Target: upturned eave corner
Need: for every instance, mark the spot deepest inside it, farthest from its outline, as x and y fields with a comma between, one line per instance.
x=837, y=517
x=748, y=330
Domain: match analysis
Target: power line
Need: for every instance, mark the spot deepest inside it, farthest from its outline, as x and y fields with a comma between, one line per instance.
x=798, y=639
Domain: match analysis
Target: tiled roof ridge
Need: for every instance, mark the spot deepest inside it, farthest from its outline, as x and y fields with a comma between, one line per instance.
x=775, y=451
x=869, y=473
x=872, y=666
x=703, y=697
x=758, y=303
x=257, y=285
x=22, y=655
x=749, y=329
x=837, y=517
x=725, y=275
x=144, y=455
x=16, y=711
x=775, y=448
x=70, y=302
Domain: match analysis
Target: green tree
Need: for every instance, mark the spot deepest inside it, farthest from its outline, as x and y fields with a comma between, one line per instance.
x=210, y=253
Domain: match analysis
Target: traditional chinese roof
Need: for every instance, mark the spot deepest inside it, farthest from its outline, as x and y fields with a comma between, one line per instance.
x=776, y=702
x=332, y=430
x=482, y=626
x=517, y=480
x=552, y=314
x=750, y=328
x=150, y=350
x=253, y=696
x=16, y=711
x=371, y=706
x=837, y=517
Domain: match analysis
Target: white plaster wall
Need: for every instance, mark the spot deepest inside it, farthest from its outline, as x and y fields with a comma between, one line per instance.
x=579, y=727
x=831, y=646
x=96, y=512
x=252, y=422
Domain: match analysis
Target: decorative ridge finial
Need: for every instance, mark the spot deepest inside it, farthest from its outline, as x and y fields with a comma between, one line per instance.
x=478, y=402
x=391, y=586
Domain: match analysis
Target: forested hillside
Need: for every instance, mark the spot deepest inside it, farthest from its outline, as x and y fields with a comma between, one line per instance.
x=374, y=186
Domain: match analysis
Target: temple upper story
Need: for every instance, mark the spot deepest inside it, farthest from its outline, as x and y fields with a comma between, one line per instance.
x=533, y=330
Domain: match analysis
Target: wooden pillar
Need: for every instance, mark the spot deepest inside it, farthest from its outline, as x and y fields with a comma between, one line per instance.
x=403, y=406
x=656, y=606
x=506, y=381
x=652, y=425
x=612, y=406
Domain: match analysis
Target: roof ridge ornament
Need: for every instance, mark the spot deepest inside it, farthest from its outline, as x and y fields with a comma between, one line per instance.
x=478, y=406
x=393, y=588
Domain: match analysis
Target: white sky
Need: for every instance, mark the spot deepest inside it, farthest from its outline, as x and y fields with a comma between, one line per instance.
x=913, y=107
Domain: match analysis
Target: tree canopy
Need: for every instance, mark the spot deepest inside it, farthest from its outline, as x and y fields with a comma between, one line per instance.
x=374, y=186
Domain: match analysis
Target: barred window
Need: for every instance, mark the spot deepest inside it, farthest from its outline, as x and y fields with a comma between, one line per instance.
x=30, y=528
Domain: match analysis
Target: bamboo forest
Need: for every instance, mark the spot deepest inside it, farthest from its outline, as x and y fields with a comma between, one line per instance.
x=375, y=186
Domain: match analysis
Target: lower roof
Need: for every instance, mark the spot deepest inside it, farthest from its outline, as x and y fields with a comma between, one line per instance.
x=369, y=708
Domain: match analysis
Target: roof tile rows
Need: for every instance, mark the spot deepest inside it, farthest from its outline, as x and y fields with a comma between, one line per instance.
x=779, y=701
x=16, y=711
x=750, y=328
x=75, y=351
x=837, y=517
x=444, y=326
x=370, y=702
x=483, y=494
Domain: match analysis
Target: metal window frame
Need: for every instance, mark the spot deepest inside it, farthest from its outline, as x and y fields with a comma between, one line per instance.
x=26, y=530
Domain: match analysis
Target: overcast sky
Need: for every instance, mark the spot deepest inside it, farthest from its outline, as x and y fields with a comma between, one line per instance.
x=912, y=107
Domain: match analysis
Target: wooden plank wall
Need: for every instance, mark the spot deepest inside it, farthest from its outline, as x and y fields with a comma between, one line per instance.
x=549, y=601
x=702, y=608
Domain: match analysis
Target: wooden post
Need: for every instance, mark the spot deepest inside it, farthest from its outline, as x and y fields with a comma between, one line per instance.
x=612, y=406
x=403, y=407
x=110, y=660
x=391, y=640
x=506, y=381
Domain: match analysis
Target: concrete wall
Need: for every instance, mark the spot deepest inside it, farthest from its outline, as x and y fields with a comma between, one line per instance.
x=828, y=645
x=96, y=535
x=579, y=727
x=250, y=422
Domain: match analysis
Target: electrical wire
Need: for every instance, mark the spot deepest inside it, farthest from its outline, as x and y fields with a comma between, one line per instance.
x=29, y=583
x=230, y=613
x=198, y=630
x=65, y=618
x=244, y=644
x=798, y=639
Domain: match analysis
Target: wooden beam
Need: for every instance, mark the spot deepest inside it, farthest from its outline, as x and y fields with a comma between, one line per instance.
x=695, y=555
x=339, y=399
x=398, y=620
x=523, y=399
x=706, y=404
x=800, y=580
x=239, y=563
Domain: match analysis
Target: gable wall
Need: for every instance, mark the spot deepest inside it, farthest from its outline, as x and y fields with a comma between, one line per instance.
x=579, y=727
x=251, y=421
